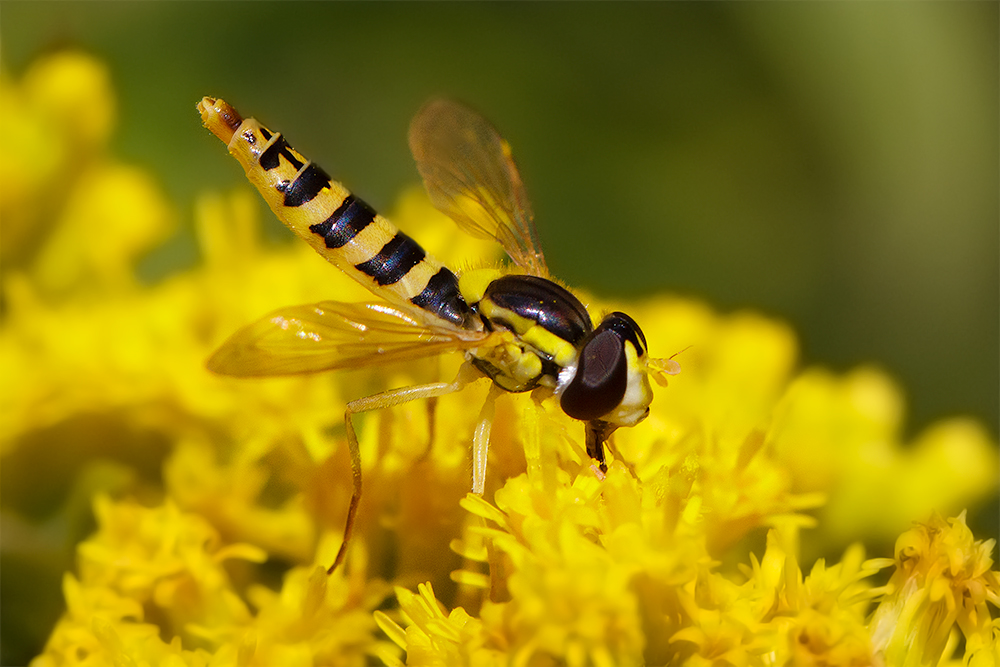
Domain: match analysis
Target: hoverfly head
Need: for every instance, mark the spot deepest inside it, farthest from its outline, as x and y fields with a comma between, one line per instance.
x=610, y=379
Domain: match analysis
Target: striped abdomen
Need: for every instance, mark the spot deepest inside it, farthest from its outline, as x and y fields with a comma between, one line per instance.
x=341, y=227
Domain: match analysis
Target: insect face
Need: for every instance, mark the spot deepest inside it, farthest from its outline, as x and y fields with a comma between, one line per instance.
x=609, y=381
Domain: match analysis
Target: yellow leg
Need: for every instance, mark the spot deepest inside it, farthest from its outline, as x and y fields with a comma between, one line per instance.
x=481, y=440
x=388, y=399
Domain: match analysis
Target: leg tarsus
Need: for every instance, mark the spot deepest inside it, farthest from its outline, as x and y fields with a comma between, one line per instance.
x=352, y=508
x=481, y=440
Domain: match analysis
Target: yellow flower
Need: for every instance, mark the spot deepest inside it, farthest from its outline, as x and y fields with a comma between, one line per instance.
x=167, y=566
x=595, y=575
x=988, y=654
x=95, y=215
x=843, y=433
x=942, y=580
x=144, y=562
x=58, y=119
x=436, y=638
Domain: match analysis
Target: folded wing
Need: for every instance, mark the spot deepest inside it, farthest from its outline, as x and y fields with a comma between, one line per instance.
x=331, y=335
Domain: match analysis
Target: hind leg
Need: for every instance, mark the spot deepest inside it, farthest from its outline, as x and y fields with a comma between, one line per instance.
x=385, y=399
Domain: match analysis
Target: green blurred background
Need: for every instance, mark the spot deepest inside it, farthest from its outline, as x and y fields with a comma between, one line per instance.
x=832, y=164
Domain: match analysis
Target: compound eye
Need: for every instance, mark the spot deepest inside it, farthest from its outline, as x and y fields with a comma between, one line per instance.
x=601, y=376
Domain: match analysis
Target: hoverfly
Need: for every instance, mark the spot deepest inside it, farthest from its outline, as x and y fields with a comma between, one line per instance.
x=519, y=328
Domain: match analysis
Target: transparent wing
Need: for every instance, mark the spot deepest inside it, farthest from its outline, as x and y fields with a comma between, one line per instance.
x=331, y=335
x=471, y=177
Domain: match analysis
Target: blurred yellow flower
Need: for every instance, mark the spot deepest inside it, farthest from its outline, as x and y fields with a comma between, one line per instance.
x=942, y=580
x=219, y=502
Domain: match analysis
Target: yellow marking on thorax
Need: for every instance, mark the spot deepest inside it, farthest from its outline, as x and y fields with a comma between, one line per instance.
x=472, y=284
x=562, y=351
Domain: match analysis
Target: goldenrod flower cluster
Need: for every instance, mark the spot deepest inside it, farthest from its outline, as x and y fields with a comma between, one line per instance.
x=218, y=502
